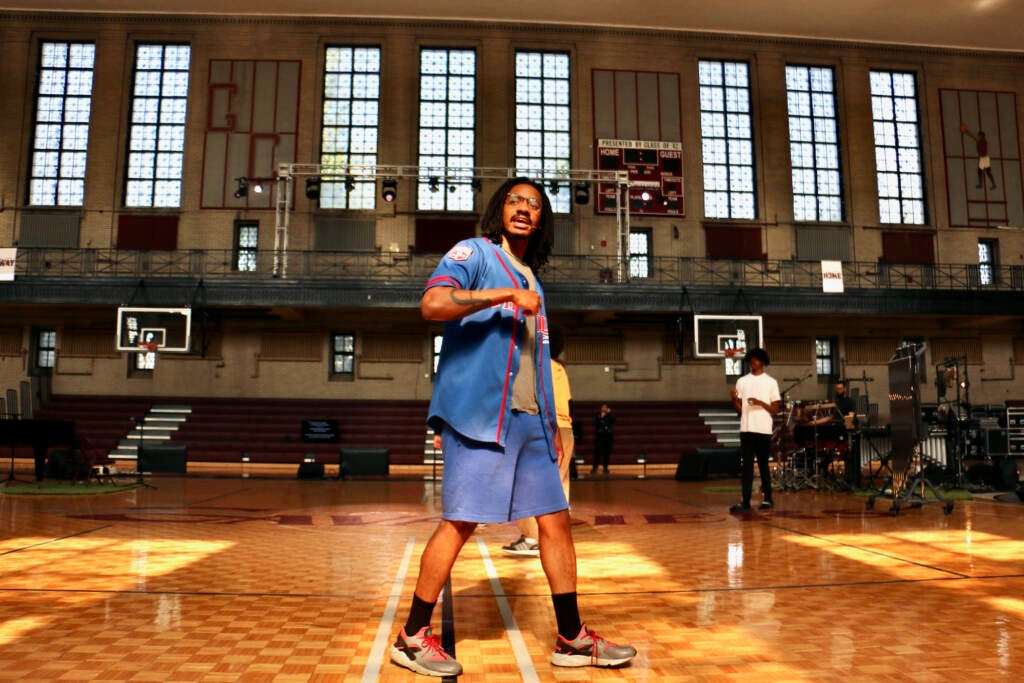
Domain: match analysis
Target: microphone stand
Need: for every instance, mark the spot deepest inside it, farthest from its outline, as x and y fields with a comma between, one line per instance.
x=795, y=384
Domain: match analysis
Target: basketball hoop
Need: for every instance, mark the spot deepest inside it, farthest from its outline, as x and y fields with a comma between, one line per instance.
x=148, y=347
x=732, y=353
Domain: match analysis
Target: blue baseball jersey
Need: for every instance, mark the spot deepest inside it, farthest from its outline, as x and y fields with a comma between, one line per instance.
x=480, y=352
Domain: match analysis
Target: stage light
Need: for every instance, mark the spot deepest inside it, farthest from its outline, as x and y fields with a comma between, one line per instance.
x=581, y=193
x=350, y=183
x=476, y=184
x=553, y=187
x=257, y=187
x=434, y=183
x=243, y=188
x=452, y=189
x=388, y=189
x=313, y=188
x=645, y=196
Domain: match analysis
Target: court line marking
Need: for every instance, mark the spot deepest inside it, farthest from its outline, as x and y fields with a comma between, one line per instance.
x=387, y=619
x=515, y=637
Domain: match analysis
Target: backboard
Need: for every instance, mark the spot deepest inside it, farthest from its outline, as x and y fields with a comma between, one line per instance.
x=715, y=335
x=138, y=329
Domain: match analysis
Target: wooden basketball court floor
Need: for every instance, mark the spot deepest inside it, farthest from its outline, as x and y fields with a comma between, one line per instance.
x=280, y=579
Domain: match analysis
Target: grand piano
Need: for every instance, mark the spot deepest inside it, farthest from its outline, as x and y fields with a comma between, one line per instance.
x=41, y=435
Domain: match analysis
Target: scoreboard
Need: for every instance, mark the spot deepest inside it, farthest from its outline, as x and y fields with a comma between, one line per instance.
x=655, y=176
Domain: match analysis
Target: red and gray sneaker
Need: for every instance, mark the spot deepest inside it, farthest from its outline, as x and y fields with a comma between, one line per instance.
x=590, y=649
x=423, y=654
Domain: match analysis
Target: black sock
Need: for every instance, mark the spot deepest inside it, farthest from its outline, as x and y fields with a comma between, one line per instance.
x=419, y=615
x=567, y=614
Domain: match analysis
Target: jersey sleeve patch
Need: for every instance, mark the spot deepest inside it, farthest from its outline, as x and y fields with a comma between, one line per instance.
x=460, y=252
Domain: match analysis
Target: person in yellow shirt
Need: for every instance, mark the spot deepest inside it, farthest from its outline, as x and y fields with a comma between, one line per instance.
x=526, y=544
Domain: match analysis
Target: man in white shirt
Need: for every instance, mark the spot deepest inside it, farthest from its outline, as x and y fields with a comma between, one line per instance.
x=756, y=398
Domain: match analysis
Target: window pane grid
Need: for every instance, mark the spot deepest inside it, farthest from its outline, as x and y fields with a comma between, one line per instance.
x=727, y=140
x=986, y=261
x=156, y=136
x=897, y=148
x=343, y=354
x=542, y=120
x=447, y=128
x=247, y=239
x=350, y=126
x=61, y=130
x=46, y=343
x=814, y=145
x=639, y=253
x=145, y=360
x=823, y=356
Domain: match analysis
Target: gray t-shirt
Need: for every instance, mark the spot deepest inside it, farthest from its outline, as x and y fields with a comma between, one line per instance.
x=524, y=387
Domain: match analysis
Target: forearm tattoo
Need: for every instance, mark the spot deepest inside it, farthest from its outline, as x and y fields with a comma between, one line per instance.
x=464, y=297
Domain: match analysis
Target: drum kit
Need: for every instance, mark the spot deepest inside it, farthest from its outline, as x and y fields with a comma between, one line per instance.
x=809, y=445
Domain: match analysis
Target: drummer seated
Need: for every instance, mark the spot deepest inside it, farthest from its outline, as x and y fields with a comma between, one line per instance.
x=846, y=406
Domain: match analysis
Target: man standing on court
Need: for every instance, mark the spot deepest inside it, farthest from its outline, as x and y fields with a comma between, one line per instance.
x=604, y=437
x=756, y=398
x=493, y=404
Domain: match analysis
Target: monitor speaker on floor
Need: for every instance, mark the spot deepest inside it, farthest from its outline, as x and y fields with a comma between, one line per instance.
x=1006, y=475
x=374, y=462
x=721, y=460
x=163, y=458
x=311, y=470
x=691, y=467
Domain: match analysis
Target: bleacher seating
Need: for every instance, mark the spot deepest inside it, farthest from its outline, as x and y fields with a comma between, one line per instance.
x=269, y=430
x=103, y=420
x=661, y=430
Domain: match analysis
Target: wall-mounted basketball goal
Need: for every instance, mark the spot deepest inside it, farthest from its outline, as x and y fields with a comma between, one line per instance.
x=154, y=329
x=721, y=336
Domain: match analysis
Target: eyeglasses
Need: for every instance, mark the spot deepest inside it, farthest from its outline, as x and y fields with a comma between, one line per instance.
x=513, y=199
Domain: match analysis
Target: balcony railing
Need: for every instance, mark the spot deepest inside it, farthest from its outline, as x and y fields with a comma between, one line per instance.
x=665, y=271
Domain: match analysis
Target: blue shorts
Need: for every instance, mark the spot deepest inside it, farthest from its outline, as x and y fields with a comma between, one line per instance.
x=484, y=482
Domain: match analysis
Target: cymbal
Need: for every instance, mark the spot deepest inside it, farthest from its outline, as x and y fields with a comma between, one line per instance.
x=821, y=406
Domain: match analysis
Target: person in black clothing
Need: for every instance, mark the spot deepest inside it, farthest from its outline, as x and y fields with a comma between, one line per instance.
x=846, y=406
x=604, y=423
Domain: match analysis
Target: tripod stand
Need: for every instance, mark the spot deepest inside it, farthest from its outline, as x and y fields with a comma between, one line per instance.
x=911, y=488
x=908, y=433
x=11, y=479
x=788, y=475
x=824, y=439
